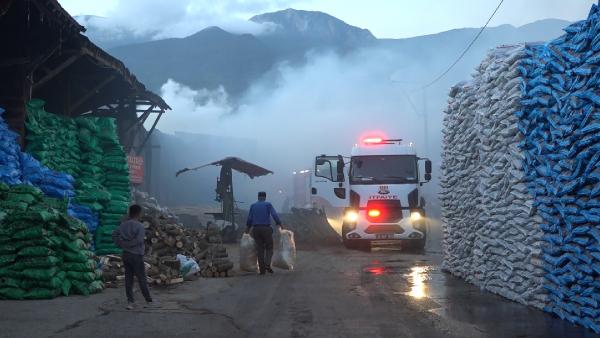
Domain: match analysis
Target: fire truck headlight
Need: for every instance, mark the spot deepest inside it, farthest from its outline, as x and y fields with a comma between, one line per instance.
x=415, y=216
x=351, y=216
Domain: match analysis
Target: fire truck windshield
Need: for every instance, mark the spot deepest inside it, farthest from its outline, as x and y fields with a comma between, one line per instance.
x=384, y=169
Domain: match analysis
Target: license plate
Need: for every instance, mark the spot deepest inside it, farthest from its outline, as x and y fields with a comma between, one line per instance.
x=384, y=236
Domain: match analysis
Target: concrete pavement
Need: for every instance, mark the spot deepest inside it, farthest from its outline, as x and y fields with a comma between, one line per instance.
x=332, y=293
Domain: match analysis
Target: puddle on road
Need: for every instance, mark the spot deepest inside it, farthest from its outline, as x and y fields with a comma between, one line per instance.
x=417, y=277
x=464, y=305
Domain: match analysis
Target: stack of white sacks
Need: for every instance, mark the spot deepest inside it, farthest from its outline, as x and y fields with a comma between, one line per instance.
x=492, y=236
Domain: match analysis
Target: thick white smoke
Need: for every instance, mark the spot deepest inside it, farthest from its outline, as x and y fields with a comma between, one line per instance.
x=193, y=110
x=323, y=107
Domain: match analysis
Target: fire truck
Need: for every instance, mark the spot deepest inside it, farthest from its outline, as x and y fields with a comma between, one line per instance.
x=375, y=193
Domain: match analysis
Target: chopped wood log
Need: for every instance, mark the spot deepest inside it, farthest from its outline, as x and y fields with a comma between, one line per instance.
x=175, y=281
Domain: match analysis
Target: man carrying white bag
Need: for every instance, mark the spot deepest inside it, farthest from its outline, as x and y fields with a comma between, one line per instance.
x=284, y=258
x=259, y=225
x=256, y=245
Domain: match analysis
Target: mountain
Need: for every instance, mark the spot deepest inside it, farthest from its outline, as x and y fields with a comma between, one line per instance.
x=457, y=39
x=207, y=59
x=430, y=54
x=315, y=26
x=214, y=57
x=295, y=32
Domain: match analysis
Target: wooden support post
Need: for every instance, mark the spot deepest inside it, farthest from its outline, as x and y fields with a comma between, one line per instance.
x=139, y=150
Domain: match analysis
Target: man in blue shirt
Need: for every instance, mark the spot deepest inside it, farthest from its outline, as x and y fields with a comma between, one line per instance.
x=259, y=222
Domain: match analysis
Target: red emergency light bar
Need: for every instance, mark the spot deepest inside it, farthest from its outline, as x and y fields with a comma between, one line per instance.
x=379, y=140
x=370, y=140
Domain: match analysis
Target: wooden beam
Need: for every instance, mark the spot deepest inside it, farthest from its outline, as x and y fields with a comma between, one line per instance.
x=139, y=150
x=91, y=93
x=141, y=119
x=115, y=64
x=56, y=71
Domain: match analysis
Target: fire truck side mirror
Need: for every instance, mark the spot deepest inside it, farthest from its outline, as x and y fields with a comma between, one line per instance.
x=428, y=167
x=340, y=170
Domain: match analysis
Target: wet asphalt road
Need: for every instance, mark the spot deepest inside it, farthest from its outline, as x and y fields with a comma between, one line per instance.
x=332, y=293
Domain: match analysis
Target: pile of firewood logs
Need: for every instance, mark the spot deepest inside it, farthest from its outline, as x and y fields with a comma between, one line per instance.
x=165, y=239
x=216, y=262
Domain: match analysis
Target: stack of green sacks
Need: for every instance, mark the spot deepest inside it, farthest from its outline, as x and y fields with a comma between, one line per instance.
x=52, y=139
x=90, y=188
x=87, y=148
x=116, y=180
x=43, y=251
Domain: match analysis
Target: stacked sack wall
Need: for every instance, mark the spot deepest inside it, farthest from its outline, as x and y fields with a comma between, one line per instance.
x=491, y=237
x=10, y=164
x=43, y=251
x=44, y=248
x=459, y=195
x=17, y=167
x=537, y=229
x=89, y=149
x=560, y=119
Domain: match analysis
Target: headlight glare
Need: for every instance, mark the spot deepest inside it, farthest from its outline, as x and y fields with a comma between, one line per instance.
x=351, y=216
x=415, y=216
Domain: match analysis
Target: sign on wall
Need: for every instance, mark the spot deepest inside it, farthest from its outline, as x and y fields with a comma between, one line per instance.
x=136, y=169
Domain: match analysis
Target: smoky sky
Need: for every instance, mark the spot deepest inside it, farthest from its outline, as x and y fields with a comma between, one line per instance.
x=385, y=18
x=327, y=104
x=160, y=19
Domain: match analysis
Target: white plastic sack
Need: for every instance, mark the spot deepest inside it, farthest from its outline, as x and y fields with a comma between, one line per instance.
x=285, y=257
x=187, y=266
x=248, y=257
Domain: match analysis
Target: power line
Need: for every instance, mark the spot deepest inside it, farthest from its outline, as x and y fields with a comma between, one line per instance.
x=466, y=49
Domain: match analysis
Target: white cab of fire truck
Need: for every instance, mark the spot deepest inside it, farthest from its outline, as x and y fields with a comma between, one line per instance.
x=376, y=194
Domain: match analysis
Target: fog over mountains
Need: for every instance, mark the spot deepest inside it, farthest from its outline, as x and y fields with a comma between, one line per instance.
x=214, y=57
x=307, y=83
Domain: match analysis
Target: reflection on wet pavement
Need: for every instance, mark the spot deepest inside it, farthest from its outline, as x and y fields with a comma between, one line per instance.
x=377, y=270
x=417, y=278
x=476, y=311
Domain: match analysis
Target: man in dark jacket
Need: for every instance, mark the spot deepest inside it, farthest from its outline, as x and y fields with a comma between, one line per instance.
x=259, y=222
x=129, y=236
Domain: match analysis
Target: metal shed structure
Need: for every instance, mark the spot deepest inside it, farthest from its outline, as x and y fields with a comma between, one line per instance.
x=43, y=54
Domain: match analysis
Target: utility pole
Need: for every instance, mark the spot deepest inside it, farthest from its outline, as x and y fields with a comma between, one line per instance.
x=425, y=122
x=422, y=113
